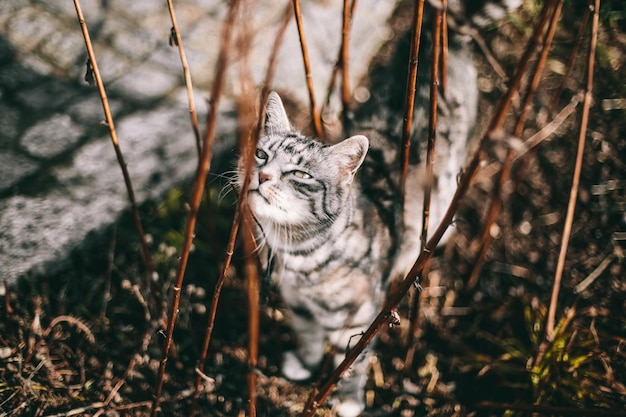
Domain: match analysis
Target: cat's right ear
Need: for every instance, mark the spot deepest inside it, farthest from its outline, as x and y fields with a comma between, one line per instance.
x=276, y=120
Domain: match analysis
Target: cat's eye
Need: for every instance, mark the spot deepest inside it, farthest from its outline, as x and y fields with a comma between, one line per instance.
x=301, y=174
x=261, y=154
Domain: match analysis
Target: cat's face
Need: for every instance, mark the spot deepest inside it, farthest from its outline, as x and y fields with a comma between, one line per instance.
x=297, y=181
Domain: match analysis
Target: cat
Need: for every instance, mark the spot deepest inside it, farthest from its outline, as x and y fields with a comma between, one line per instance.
x=330, y=217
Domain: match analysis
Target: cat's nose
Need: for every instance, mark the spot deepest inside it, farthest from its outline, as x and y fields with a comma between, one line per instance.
x=264, y=176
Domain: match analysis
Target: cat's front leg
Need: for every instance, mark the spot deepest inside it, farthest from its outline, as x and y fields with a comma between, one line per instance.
x=349, y=398
x=299, y=364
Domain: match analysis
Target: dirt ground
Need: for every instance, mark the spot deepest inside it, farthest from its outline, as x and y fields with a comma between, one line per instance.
x=90, y=344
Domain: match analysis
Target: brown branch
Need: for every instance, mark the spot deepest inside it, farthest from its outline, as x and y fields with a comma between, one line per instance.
x=187, y=75
x=409, y=104
x=345, y=64
x=432, y=122
x=444, y=46
x=247, y=144
x=338, y=65
x=315, y=114
x=430, y=159
x=567, y=228
x=147, y=258
x=252, y=287
x=199, y=182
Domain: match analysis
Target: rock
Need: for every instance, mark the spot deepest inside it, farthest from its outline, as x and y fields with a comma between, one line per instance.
x=51, y=137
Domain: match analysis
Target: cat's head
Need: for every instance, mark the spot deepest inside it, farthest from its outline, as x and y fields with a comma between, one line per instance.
x=297, y=181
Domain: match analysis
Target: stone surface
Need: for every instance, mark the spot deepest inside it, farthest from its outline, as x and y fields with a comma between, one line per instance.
x=51, y=137
x=59, y=177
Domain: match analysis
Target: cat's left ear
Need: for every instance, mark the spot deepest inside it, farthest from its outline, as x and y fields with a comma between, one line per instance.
x=349, y=155
x=276, y=120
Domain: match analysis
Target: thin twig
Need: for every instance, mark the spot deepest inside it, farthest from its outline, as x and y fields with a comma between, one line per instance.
x=432, y=123
x=444, y=46
x=120, y=156
x=345, y=64
x=315, y=114
x=199, y=182
x=252, y=286
x=582, y=286
x=338, y=66
x=430, y=159
x=247, y=143
x=187, y=75
x=569, y=218
x=409, y=104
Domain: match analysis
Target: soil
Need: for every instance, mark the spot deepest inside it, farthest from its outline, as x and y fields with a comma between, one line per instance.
x=89, y=342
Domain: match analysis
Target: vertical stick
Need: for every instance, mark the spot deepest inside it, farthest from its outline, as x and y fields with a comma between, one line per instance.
x=345, y=65
x=252, y=287
x=432, y=123
x=199, y=182
x=315, y=114
x=410, y=92
x=187, y=76
x=430, y=159
x=567, y=228
x=147, y=258
x=444, y=46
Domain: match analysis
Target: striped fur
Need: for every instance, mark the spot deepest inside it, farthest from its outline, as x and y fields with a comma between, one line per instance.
x=330, y=216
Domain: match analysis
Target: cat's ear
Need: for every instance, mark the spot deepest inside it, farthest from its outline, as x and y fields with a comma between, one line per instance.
x=276, y=120
x=349, y=155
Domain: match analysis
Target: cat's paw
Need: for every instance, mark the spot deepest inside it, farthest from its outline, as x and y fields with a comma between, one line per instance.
x=349, y=408
x=293, y=367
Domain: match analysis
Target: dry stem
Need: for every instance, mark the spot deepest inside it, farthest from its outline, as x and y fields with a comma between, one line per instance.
x=187, y=75
x=345, y=49
x=567, y=228
x=120, y=156
x=410, y=92
x=315, y=114
x=430, y=159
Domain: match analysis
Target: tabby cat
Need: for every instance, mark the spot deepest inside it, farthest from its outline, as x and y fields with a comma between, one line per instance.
x=330, y=218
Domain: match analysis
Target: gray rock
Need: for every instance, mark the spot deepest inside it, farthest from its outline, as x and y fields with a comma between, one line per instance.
x=51, y=137
x=13, y=168
x=144, y=83
x=9, y=119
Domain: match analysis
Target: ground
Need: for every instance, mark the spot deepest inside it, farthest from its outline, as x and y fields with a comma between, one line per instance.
x=88, y=342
